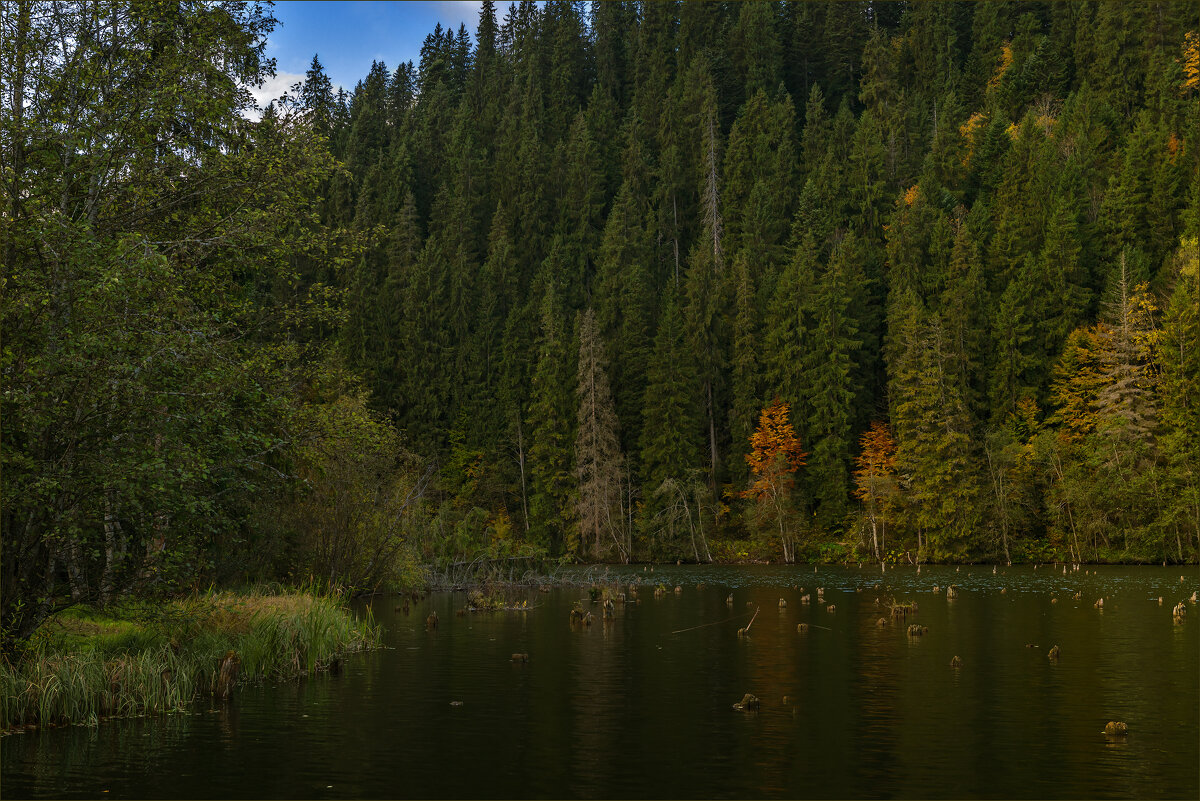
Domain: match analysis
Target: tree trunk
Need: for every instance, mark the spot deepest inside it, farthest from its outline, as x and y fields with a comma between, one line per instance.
x=521, y=464
x=712, y=434
x=788, y=551
x=114, y=549
x=691, y=528
x=700, y=525
x=76, y=571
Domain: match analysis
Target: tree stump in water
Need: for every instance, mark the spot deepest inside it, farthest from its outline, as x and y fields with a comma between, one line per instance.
x=748, y=702
x=227, y=673
x=1054, y=654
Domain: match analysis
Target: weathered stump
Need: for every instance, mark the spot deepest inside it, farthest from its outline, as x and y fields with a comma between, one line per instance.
x=748, y=702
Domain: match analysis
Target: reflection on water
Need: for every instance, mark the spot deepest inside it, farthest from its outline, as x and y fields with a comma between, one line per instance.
x=630, y=709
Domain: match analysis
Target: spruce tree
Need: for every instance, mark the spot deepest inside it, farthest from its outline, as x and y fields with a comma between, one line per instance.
x=625, y=305
x=674, y=437
x=549, y=419
x=599, y=469
x=832, y=385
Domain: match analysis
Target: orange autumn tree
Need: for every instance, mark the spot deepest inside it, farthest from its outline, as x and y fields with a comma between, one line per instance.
x=774, y=458
x=875, y=478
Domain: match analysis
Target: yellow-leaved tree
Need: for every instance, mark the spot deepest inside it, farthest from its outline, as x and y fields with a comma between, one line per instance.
x=875, y=480
x=1191, y=61
x=774, y=458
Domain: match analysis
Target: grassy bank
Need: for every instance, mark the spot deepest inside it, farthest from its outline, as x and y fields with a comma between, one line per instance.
x=83, y=666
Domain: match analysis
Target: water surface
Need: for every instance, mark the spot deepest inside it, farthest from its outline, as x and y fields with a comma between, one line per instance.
x=632, y=709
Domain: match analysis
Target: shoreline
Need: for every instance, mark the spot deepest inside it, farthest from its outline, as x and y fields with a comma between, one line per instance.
x=83, y=666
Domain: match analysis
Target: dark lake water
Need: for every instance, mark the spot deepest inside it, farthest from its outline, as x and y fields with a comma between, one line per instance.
x=630, y=709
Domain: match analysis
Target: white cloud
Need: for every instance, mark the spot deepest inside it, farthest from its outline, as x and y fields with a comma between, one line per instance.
x=452, y=12
x=272, y=88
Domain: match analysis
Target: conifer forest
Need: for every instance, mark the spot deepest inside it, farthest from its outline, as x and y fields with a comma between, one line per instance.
x=608, y=282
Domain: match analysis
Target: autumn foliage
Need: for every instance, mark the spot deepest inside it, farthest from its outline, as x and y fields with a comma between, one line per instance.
x=774, y=458
x=876, y=463
x=875, y=480
x=776, y=453
x=1191, y=61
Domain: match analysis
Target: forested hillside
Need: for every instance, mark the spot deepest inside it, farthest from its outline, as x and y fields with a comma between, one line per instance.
x=957, y=240
x=625, y=281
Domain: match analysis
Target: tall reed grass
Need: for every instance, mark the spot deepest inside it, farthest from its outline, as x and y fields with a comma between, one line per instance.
x=81, y=670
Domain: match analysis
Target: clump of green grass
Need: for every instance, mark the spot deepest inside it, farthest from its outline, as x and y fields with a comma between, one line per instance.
x=82, y=667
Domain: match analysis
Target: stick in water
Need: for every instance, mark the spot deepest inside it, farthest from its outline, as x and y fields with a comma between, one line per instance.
x=706, y=625
x=751, y=623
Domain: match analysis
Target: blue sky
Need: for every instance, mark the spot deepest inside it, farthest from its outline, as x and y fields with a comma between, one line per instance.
x=348, y=36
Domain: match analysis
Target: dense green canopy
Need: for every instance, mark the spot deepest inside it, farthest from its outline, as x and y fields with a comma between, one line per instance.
x=570, y=259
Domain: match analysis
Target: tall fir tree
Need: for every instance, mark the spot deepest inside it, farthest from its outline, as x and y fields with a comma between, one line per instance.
x=549, y=422
x=603, y=524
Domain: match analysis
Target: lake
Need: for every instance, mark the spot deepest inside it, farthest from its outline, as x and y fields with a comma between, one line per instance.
x=642, y=706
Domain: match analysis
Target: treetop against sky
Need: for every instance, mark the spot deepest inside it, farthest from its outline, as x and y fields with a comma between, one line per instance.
x=348, y=36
